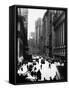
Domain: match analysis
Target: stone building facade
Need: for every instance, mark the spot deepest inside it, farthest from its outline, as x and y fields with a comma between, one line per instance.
x=59, y=49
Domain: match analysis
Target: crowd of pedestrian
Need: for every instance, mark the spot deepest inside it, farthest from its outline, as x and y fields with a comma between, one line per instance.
x=39, y=69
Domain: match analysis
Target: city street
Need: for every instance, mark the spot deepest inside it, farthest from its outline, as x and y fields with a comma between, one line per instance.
x=41, y=45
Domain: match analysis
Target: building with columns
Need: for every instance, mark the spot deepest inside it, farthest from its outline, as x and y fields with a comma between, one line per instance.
x=59, y=49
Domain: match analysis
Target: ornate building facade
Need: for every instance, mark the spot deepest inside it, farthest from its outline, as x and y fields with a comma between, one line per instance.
x=59, y=49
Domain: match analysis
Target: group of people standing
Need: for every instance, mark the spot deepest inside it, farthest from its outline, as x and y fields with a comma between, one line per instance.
x=39, y=70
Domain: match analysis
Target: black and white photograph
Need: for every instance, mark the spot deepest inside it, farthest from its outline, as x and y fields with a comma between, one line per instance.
x=34, y=45
x=41, y=45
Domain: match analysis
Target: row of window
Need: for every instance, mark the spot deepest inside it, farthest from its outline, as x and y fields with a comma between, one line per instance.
x=60, y=35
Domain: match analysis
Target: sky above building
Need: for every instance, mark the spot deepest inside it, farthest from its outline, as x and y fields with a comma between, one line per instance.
x=33, y=15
